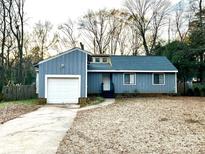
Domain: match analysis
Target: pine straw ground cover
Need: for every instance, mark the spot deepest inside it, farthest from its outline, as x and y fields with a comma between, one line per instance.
x=13, y=109
x=139, y=125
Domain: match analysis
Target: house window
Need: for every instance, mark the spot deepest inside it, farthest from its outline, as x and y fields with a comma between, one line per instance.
x=97, y=59
x=129, y=79
x=104, y=60
x=158, y=79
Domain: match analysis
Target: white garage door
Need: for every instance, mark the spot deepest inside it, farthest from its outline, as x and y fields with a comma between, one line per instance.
x=63, y=90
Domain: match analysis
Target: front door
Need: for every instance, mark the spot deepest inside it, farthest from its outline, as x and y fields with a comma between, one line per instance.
x=106, y=82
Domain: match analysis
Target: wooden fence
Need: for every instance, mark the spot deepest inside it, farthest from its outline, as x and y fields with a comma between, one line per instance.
x=19, y=92
x=180, y=88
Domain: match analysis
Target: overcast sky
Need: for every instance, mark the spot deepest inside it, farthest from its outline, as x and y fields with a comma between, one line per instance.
x=58, y=11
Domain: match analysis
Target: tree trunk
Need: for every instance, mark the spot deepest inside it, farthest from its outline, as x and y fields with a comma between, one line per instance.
x=3, y=41
x=145, y=45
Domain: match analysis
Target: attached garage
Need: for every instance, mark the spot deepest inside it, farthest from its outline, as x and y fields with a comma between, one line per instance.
x=62, y=89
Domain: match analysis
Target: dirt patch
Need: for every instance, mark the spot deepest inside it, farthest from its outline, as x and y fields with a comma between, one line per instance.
x=163, y=119
x=139, y=125
x=15, y=110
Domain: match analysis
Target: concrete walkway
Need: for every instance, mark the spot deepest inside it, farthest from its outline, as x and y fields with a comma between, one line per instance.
x=41, y=131
x=38, y=132
x=105, y=103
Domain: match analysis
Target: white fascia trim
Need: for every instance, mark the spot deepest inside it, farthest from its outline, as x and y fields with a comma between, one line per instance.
x=86, y=76
x=124, y=79
x=66, y=52
x=61, y=76
x=157, y=84
x=37, y=69
x=133, y=71
x=176, y=83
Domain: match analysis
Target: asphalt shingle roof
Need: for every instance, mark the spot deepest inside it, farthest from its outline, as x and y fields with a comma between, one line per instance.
x=159, y=63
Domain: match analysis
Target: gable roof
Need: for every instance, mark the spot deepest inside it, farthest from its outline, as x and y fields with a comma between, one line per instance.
x=63, y=53
x=134, y=64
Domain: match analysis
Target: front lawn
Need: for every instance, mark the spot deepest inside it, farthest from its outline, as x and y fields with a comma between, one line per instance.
x=20, y=102
x=13, y=109
x=140, y=125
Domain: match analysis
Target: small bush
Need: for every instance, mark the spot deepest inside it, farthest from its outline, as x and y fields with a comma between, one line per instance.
x=199, y=85
x=190, y=92
x=196, y=92
x=42, y=101
x=203, y=92
x=90, y=101
x=83, y=101
x=1, y=97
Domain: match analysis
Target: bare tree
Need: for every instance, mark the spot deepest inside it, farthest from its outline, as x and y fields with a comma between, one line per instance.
x=148, y=16
x=3, y=31
x=160, y=10
x=116, y=22
x=68, y=36
x=182, y=19
x=42, y=38
x=95, y=27
x=135, y=42
x=16, y=21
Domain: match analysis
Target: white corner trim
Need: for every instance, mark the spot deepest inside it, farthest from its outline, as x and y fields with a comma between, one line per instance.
x=129, y=84
x=176, y=83
x=158, y=84
x=63, y=53
x=47, y=76
x=37, y=82
x=134, y=71
x=86, y=76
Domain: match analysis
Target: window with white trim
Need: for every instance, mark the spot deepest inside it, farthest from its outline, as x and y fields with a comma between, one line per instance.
x=104, y=60
x=97, y=59
x=158, y=78
x=129, y=79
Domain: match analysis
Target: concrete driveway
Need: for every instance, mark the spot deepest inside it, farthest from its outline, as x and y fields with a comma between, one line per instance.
x=38, y=132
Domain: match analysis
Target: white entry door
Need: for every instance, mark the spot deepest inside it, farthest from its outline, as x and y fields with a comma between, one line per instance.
x=106, y=82
x=63, y=90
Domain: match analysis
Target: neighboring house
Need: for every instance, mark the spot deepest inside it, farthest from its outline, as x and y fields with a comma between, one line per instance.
x=76, y=73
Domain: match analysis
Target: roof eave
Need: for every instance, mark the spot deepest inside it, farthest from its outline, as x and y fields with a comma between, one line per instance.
x=137, y=71
x=63, y=53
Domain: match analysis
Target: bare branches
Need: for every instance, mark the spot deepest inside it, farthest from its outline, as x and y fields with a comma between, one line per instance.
x=182, y=20
x=148, y=16
x=68, y=37
x=96, y=27
x=15, y=11
x=43, y=38
x=108, y=31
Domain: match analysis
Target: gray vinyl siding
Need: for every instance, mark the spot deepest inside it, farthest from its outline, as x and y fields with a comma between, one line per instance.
x=143, y=83
x=74, y=64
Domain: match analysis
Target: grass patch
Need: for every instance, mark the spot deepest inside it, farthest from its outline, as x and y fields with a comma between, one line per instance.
x=163, y=119
x=95, y=100
x=21, y=102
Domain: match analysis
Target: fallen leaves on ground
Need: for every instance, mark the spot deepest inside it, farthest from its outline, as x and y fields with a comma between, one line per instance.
x=139, y=125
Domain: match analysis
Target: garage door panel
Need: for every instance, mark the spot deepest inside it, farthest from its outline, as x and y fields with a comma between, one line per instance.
x=63, y=90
